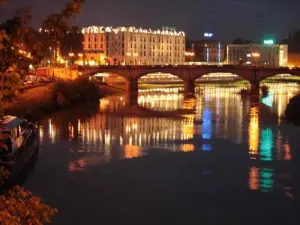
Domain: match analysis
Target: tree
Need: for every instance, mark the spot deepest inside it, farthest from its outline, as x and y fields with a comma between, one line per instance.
x=72, y=42
x=21, y=45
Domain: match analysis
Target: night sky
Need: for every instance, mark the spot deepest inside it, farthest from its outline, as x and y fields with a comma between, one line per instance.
x=227, y=19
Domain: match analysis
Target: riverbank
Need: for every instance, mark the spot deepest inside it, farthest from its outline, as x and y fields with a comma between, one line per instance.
x=36, y=102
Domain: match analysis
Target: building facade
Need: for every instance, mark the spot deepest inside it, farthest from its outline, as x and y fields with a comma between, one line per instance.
x=205, y=51
x=268, y=55
x=132, y=46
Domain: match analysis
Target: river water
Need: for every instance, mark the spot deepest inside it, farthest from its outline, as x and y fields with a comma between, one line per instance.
x=233, y=138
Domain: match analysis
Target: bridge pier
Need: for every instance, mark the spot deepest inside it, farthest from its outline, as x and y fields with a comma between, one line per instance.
x=189, y=89
x=255, y=87
x=132, y=92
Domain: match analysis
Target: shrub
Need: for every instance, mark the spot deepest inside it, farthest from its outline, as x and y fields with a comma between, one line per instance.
x=80, y=90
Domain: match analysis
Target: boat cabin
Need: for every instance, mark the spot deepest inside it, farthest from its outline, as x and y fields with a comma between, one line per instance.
x=13, y=133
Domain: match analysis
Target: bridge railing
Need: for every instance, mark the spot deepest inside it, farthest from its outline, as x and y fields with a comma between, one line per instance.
x=179, y=66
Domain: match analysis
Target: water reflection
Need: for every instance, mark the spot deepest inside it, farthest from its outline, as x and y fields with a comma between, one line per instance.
x=220, y=109
x=267, y=179
x=261, y=179
x=220, y=113
x=253, y=132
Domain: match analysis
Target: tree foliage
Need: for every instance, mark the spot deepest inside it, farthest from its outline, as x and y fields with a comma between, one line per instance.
x=20, y=207
x=72, y=42
x=22, y=45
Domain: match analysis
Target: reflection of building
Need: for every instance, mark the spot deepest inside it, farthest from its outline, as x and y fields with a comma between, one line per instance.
x=271, y=55
x=253, y=131
x=261, y=179
x=132, y=46
x=206, y=51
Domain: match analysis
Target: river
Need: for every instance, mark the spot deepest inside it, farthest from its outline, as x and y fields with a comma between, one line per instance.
x=240, y=169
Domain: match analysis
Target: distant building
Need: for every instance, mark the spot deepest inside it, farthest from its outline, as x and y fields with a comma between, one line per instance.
x=205, y=51
x=269, y=55
x=132, y=46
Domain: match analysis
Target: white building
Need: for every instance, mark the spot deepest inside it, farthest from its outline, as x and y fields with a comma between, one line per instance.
x=132, y=46
x=270, y=55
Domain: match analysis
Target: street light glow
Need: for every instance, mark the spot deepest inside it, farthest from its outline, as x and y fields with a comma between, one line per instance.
x=269, y=42
x=255, y=54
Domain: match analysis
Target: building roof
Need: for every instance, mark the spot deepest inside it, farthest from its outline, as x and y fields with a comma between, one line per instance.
x=8, y=122
x=102, y=29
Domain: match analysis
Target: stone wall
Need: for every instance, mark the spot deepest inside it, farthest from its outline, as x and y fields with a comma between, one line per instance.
x=61, y=73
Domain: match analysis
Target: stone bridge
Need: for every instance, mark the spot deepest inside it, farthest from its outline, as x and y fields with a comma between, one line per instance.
x=188, y=74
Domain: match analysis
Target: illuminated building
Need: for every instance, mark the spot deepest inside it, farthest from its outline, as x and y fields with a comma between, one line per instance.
x=267, y=54
x=132, y=46
x=206, y=51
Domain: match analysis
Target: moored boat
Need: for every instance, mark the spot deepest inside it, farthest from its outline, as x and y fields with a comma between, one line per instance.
x=18, y=141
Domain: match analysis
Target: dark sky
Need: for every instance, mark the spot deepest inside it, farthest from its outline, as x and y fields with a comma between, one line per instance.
x=227, y=19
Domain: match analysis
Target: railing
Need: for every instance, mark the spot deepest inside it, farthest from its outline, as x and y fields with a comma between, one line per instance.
x=182, y=66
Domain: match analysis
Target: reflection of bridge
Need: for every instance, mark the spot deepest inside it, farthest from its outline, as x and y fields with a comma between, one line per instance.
x=187, y=73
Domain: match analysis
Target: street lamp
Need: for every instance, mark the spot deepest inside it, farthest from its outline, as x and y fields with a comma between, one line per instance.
x=255, y=54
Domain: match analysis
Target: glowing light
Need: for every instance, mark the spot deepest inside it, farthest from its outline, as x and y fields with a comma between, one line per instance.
x=268, y=100
x=102, y=29
x=266, y=179
x=255, y=54
x=132, y=151
x=269, y=42
x=254, y=178
x=207, y=124
x=266, y=146
x=253, y=131
x=189, y=54
x=188, y=148
x=208, y=34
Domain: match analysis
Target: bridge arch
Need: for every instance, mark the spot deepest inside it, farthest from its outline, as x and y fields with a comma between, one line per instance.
x=159, y=77
x=109, y=78
x=243, y=73
x=160, y=72
x=282, y=76
x=219, y=77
